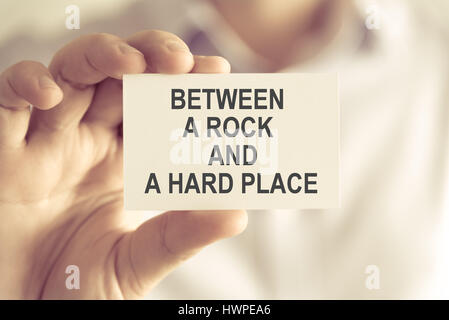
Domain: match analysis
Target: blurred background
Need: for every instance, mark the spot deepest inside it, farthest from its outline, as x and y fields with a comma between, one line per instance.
x=37, y=24
x=390, y=237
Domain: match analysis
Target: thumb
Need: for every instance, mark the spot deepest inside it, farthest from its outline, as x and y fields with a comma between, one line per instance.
x=146, y=255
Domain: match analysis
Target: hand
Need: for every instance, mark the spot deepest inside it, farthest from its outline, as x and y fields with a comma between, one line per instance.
x=61, y=179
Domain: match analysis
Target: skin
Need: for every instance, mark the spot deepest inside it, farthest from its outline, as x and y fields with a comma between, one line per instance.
x=61, y=195
x=61, y=200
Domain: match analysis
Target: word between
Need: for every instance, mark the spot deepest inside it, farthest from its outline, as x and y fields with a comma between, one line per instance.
x=227, y=98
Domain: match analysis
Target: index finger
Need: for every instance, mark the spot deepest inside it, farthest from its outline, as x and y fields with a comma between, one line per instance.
x=91, y=59
x=164, y=52
x=76, y=68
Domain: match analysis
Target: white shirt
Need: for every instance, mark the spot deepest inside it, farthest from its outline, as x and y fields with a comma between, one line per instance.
x=394, y=177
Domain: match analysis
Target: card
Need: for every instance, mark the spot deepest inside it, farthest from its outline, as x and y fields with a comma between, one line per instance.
x=231, y=141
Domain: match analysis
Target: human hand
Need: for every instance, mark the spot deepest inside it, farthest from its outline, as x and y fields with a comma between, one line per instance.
x=61, y=176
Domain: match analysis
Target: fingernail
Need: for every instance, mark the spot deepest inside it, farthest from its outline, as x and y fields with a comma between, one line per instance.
x=126, y=49
x=176, y=46
x=45, y=82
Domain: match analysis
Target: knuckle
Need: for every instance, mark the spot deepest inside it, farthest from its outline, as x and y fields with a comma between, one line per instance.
x=158, y=35
x=163, y=227
x=21, y=72
x=25, y=65
x=164, y=242
x=101, y=38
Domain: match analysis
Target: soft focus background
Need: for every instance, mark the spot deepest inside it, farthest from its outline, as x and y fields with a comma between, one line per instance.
x=394, y=154
x=27, y=23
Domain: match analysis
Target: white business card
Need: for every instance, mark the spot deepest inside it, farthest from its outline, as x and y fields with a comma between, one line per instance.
x=231, y=141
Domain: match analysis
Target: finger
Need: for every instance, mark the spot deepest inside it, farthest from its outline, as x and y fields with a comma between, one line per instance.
x=211, y=64
x=78, y=67
x=106, y=108
x=162, y=243
x=25, y=83
x=164, y=52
